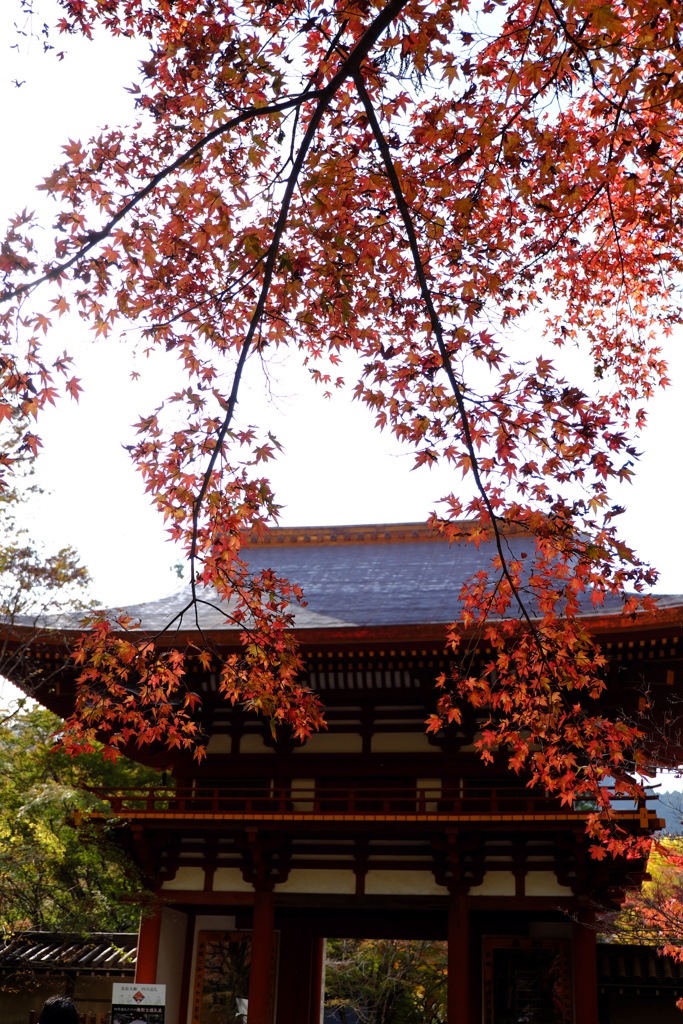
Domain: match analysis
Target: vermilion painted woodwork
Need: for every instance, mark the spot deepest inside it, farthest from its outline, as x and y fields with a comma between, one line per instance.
x=186, y=980
x=459, y=1011
x=585, y=969
x=295, y=982
x=317, y=979
x=261, y=974
x=148, y=947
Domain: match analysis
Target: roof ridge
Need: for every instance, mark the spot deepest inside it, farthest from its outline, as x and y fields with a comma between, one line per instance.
x=361, y=533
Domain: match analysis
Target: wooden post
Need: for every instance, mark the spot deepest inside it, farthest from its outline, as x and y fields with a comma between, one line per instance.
x=261, y=975
x=294, y=977
x=585, y=968
x=289, y=972
x=186, y=980
x=148, y=947
x=459, y=960
x=317, y=979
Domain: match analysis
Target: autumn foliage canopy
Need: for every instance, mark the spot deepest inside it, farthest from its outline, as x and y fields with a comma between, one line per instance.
x=454, y=193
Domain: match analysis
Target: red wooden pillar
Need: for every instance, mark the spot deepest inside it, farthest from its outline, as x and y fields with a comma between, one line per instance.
x=300, y=960
x=186, y=979
x=317, y=979
x=290, y=980
x=459, y=960
x=261, y=974
x=149, y=935
x=585, y=968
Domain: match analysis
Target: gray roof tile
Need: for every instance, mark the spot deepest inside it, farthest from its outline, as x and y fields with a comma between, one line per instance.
x=376, y=583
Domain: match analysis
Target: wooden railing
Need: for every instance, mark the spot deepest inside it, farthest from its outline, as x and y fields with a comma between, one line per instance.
x=239, y=798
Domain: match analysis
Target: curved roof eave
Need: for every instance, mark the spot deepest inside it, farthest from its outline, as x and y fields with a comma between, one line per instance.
x=669, y=618
x=398, y=582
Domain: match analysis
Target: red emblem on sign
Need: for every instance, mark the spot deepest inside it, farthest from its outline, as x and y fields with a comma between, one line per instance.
x=138, y=997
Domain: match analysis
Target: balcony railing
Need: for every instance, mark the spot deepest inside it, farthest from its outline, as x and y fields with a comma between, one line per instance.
x=357, y=801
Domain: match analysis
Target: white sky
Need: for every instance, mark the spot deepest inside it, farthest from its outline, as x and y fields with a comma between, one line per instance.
x=336, y=470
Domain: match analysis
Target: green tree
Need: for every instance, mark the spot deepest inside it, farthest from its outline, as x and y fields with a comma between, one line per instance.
x=387, y=981
x=652, y=914
x=59, y=869
x=33, y=583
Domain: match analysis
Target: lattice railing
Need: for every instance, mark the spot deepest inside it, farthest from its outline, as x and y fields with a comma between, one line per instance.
x=250, y=798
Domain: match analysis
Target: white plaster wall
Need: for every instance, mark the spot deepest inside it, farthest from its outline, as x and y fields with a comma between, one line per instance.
x=319, y=880
x=471, y=748
x=435, y=790
x=544, y=883
x=219, y=743
x=401, y=743
x=186, y=878
x=252, y=743
x=170, y=962
x=496, y=883
x=230, y=880
x=332, y=743
x=403, y=883
x=305, y=784
x=205, y=923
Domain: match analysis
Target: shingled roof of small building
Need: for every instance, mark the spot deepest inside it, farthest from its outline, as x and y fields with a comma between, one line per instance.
x=50, y=952
x=636, y=967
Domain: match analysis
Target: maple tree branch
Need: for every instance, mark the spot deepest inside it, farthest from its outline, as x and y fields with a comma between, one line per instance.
x=448, y=367
x=325, y=95
x=99, y=236
x=578, y=47
x=178, y=617
x=617, y=237
x=215, y=297
x=435, y=322
x=348, y=68
x=552, y=246
x=330, y=50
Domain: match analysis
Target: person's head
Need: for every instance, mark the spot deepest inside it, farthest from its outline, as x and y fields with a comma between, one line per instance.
x=58, y=1010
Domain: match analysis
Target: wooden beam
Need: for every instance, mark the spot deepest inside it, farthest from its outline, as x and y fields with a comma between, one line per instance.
x=199, y=897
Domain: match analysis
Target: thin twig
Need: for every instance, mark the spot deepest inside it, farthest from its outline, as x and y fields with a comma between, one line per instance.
x=347, y=69
x=435, y=322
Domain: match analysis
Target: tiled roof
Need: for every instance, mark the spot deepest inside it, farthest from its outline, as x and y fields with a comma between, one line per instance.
x=364, y=576
x=359, y=576
x=639, y=966
x=98, y=953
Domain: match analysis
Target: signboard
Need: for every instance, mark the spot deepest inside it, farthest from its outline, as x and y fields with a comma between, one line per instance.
x=138, y=1004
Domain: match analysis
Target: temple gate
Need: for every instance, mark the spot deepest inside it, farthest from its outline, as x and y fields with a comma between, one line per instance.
x=371, y=828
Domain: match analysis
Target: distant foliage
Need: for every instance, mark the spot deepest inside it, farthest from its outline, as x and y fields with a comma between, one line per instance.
x=653, y=914
x=386, y=981
x=58, y=869
x=34, y=584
